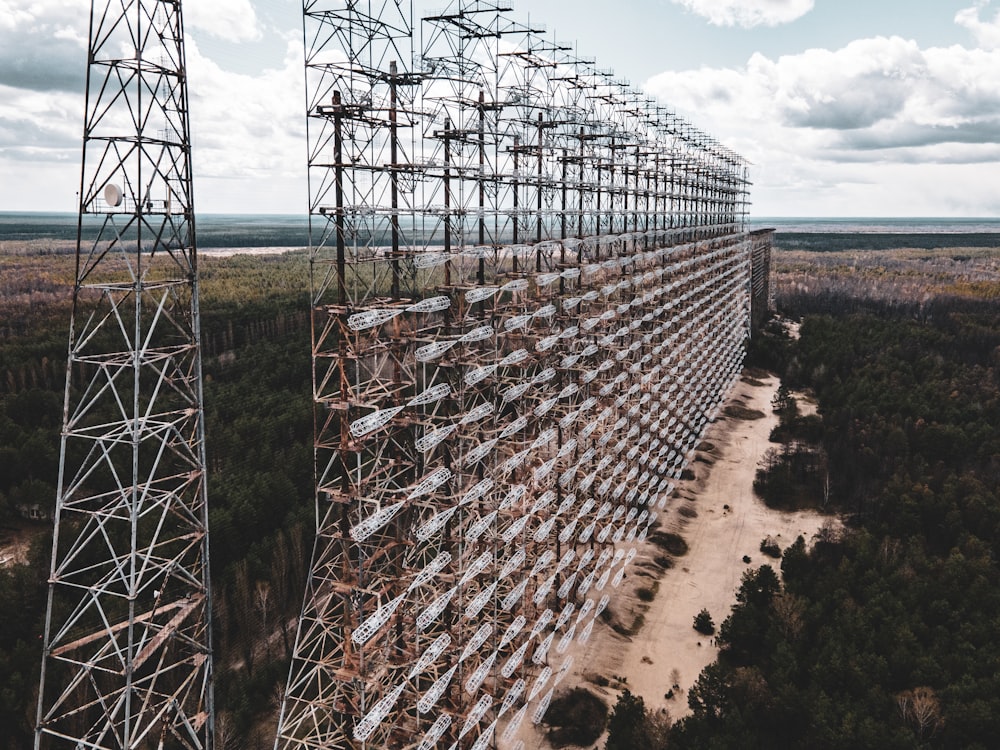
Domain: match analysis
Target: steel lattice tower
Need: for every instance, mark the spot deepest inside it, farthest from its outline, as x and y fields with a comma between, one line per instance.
x=530, y=290
x=127, y=651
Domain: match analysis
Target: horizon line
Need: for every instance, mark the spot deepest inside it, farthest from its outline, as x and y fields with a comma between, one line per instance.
x=750, y=219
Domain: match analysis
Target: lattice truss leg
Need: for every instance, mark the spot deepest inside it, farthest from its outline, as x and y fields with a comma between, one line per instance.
x=126, y=647
x=531, y=295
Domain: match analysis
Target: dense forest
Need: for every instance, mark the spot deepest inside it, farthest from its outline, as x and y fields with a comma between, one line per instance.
x=825, y=242
x=883, y=635
x=259, y=436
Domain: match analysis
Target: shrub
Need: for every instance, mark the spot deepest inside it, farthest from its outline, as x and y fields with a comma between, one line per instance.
x=770, y=547
x=669, y=542
x=646, y=593
x=687, y=511
x=576, y=717
x=737, y=411
x=622, y=629
x=703, y=623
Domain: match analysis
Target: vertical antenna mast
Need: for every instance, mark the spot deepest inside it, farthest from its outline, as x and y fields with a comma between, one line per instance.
x=529, y=296
x=127, y=650
x=358, y=59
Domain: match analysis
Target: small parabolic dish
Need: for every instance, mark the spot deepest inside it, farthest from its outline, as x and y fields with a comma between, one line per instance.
x=113, y=195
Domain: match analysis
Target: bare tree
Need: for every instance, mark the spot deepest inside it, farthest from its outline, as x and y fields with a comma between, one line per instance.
x=658, y=725
x=285, y=604
x=225, y=733
x=220, y=609
x=243, y=602
x=921, y=709
x=789, y=611
x=262, y=603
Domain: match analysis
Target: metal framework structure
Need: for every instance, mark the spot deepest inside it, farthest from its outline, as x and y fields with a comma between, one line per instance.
x=127, y=651
x=530, y=290
x=761, y=300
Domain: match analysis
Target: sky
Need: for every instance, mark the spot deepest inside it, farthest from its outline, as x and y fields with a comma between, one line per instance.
x=842, y=107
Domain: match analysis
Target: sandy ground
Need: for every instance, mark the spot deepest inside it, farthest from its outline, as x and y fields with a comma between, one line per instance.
x=15, y=542
x=807, y=404
x=227, y=252
x=706, y=577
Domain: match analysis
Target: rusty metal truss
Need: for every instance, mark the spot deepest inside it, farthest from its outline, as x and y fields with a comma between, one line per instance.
x=531, y=295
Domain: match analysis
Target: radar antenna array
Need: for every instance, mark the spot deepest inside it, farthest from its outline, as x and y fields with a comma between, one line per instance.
x=531, y=294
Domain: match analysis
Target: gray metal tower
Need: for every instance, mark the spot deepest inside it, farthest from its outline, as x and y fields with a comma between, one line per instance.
x=127, y=652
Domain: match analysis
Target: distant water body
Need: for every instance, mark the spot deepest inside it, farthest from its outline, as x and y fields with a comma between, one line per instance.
x=890, y=225
x=280, y=230
x=852, y=234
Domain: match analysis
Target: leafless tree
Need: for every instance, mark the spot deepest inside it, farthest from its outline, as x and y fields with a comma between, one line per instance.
x=921, y=709
x=789, y=611
x=262, y=603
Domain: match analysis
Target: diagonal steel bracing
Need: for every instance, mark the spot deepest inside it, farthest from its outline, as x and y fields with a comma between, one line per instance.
x=127, y=651
x=530, y=290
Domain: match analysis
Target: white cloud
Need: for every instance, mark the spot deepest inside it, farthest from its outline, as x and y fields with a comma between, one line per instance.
x=748, y=13
x=42, y=46
x=247, y=129
x=232, y=20
x=879, y=124
x=248, y=132
x=20, y=14
x=35, y=119
x=39, y=149
x=42, y=71
x=986, y=33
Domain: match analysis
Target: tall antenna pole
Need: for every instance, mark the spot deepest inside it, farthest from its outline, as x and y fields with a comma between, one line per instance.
x=500, y=412
x=127, y=659
x=361, y=234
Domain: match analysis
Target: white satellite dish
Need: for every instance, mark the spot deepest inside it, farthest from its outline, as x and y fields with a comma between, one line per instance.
x=113, y=195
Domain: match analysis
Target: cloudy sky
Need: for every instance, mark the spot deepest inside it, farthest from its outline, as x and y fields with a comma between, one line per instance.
x=844, y=107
